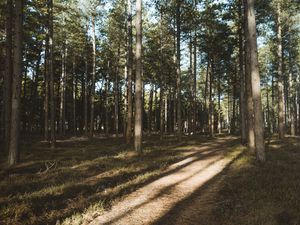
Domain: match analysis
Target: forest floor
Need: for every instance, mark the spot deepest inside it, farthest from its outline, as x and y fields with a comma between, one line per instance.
x=198, y=181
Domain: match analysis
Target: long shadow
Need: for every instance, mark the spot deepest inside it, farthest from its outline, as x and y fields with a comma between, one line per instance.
x=91, y=192
x=164, y=191
x=198, y=157
x=174, y=213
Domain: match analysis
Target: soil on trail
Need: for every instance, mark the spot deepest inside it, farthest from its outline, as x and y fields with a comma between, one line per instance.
x=182, y=195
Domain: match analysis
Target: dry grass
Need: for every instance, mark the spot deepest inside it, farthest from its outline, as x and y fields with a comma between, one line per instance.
x=269, y=194
x=83, y=177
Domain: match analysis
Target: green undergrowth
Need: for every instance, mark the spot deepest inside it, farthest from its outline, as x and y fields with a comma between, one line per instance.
x=80, y=178
x=261, y=194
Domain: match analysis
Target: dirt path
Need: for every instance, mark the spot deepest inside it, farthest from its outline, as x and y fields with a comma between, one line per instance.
x=181, y=196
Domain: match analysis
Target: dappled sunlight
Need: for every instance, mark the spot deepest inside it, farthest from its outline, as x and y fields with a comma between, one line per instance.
x=155, y=199
x=80, y=181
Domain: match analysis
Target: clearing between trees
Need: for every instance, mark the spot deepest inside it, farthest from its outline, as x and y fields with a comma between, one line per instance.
x=197, y=181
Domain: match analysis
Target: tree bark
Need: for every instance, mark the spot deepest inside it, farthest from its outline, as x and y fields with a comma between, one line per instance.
x=242, y=77
x=8, y=75
x=255, y=81
x=74, y=92
x=13, y=156
x=249, y=99
x=178, y=69
x=51, y=73
x=91, y=134
x=129, y=68
x=281, y=116
x=138, y=80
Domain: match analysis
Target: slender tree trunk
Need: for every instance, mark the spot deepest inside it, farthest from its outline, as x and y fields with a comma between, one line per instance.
x=242, y=76
x=206, y=110
x=85, y=102
x=138, y=80
x=255, y=81
x=46, y=84
x=106, y=108
x=129, y=67
x=91, y=134
x=195, y=85
x=62, y=93
x=233, y=119
x=211, y=102
x=8, y=75
x=150, y=111
x=178, y=71
x=162, y=80
x=250, y=110
x=219, y=105
x=51, y=73
x=74, y=90
x=116, y=96
x=13, y=156
x=281, y=126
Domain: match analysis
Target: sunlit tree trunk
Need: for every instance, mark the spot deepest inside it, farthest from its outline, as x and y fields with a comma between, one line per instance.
x=91, y=134
x=249, y=99
x=211, y=102
x=281, y=126
x=138, y=80
x=13, y=156
x=62, y=107
x=255, y=82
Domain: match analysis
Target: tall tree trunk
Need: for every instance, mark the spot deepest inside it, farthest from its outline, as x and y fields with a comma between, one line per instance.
x=211, y=102
x=116, y=95
x=219, y=105
x=8, y=75
x=242, y=76
x=162, y=80
x=249, y=99
x=62, y=93
x=13, y=156
x=85, y=102
x=206, y=108
x=178, y=69
x=51, y=73
x=91, y=134
x=195, y=84
x=74, y=92
x=106, y=108
x=281, y=126
x=233, y=119
x=129, y=68
x=150, y=111
x=255, y=82
x=138, y=80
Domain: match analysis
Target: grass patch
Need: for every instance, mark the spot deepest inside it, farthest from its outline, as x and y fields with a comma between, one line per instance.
x=255, y=194
x=86, y=177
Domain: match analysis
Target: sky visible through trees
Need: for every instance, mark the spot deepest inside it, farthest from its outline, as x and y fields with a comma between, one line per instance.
x=85, y=81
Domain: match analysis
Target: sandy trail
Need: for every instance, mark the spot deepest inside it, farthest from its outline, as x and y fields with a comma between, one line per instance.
x=160, y=202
